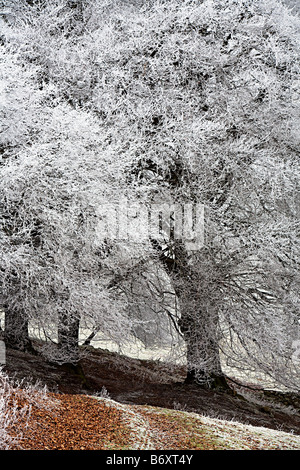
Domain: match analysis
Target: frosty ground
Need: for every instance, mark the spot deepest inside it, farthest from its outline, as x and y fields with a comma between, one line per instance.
x=156, y=405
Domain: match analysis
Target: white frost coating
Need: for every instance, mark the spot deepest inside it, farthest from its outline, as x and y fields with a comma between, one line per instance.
x=159, y=102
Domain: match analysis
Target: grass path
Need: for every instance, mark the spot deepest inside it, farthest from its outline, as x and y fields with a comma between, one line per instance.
x=164, y=429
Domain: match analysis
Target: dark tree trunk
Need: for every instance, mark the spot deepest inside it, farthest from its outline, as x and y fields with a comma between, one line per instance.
x=198, y=325
x=68, y=346
x=202, y=349
x=16, y=334
x=68, y=338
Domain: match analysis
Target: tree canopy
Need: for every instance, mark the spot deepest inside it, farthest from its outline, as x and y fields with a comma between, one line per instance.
x=163, y=102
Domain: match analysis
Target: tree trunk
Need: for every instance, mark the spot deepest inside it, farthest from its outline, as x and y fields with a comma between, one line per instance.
x=199, y=330
x=68, y=338
x=198, y=323
x=16, y=334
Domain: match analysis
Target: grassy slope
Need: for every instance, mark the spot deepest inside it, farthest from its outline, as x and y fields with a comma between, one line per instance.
x=165, y=429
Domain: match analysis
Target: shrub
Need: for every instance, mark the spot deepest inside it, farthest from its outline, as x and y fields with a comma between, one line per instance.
x=11, y=413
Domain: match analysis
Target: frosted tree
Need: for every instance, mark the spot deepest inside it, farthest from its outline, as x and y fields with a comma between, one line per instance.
x=210, y=96
x=53, y=182
x=204, y=97
x=182, y=102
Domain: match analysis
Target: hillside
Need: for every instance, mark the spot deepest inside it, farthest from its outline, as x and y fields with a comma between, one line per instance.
x=80, y=422
x=116, y=402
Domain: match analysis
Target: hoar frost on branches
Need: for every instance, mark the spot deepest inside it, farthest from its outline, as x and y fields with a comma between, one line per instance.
x=174, y=101
x=50, y=274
